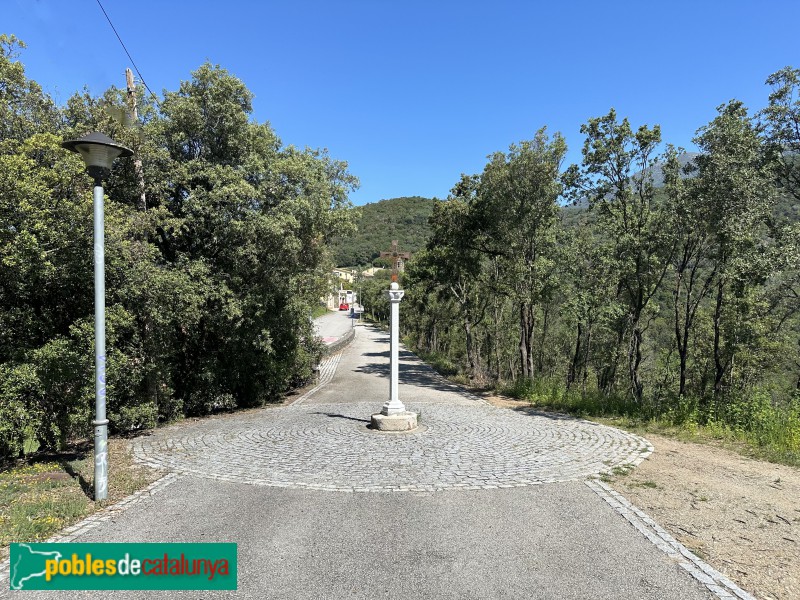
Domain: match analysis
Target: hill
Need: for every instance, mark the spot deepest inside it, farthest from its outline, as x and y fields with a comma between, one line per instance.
x=402, y=219
x=658, y=174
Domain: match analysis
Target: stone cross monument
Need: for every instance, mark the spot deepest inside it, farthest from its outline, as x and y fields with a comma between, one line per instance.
x=393, y=415
x=397, y=258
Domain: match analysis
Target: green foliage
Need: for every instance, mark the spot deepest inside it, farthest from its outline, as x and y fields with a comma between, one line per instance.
x=667, y=294
x=216, y=246
x=781, y=123
x=373, y=296
x=33, y=507
x=378, y=223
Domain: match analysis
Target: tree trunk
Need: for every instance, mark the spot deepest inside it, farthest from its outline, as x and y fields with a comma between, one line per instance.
x=608, y=375
x=497, y=342
x=586, y=357
x=523, y=342
x=574, y=367
x=540, y=358
x=529, y=344
x=680, y=333
x=682, y=381
x=719, y=365
x=635, y=361
x=470, y=349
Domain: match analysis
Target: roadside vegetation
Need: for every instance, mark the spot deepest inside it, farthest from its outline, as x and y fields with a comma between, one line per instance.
x=46, y=492
x=666, y=294
x=217, y=250
x=754, y=426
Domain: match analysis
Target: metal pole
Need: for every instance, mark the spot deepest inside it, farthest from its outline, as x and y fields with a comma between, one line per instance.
x=100, y=422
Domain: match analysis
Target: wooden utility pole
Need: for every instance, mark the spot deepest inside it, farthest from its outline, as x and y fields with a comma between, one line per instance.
x=137, y=162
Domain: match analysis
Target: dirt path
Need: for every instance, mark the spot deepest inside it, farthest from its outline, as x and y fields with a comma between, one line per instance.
x=740, y=515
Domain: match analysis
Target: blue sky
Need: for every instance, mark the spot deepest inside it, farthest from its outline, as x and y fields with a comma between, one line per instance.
x=411, y=93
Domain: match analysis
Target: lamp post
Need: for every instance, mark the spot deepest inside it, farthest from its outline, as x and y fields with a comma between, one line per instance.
x=98, y=152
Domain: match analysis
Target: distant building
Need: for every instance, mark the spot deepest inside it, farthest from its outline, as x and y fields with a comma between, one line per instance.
x=371, y=271
x=345, y=274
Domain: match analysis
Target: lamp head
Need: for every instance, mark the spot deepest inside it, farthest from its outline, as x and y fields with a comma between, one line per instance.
x=98, y=152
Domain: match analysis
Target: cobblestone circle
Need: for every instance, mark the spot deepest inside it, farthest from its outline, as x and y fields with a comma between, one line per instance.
x=329, y=447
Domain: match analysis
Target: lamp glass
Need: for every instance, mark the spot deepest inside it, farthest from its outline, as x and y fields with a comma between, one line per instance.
x=98, y=155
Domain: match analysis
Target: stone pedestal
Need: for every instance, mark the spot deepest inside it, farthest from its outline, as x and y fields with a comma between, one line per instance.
x=402, y=421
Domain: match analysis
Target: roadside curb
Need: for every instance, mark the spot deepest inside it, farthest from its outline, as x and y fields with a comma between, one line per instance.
x=716, y=582
x=340, y=344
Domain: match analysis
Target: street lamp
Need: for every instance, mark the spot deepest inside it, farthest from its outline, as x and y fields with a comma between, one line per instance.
x=98, y=152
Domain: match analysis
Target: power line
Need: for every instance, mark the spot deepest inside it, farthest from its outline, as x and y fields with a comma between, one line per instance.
x=138, y=72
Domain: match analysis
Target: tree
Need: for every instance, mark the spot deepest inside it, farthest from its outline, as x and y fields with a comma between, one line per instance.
x=517, y=213
x=260, y=216
x=734, y=178
x=455, y=261
x=24, y=109
x=591, y=293
x=208, y=287
x=692, y=225
x=617, y=177
x=781, y=124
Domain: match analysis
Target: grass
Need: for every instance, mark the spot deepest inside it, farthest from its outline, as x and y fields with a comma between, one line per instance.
x=439, y=362
x=45, y=493
x=621, y=470
x=749, y=425
x=318, y=311
x=739, y=441
x=752, y=426
x=649, y=484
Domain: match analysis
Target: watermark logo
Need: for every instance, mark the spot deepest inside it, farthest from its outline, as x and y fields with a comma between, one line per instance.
x=89, y=566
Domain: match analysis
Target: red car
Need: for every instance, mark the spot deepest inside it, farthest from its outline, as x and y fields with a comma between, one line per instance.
x=344, y=306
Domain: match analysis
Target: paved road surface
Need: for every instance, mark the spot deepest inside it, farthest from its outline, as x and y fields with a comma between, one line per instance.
x=333, y=325
x=480, y=503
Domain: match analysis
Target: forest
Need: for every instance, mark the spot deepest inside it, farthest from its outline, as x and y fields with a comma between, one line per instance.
x=378, y=223
x=666, y=289
x=217, y=250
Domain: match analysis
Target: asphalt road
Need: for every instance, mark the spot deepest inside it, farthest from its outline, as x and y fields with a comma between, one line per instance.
x=333, y=325
x=549, y=541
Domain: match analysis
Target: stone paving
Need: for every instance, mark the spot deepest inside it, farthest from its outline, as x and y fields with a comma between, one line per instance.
x=329, y=447
x=462, y=443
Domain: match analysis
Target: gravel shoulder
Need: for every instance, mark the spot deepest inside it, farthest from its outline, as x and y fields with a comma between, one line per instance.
x=740, y=515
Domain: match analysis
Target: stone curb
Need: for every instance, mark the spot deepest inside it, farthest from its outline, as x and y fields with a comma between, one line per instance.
x=717, y=583
x=71, y=533
x=339, y=344
x=327, y=369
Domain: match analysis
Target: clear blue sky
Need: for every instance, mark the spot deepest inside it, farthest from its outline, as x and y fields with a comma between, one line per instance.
x=411, y=93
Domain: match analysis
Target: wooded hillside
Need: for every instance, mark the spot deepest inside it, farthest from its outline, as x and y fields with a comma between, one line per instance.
x=378, y=223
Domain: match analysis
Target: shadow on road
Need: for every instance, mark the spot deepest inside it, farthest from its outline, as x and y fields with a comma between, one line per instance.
x=412, y=372
x=338, y=416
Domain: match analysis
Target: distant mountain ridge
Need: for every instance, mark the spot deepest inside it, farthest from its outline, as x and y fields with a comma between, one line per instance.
x=404, y=219
x=657, y=170
x=657, y=174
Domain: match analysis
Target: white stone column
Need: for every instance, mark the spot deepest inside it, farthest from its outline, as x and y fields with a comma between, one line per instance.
x=393, y=405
